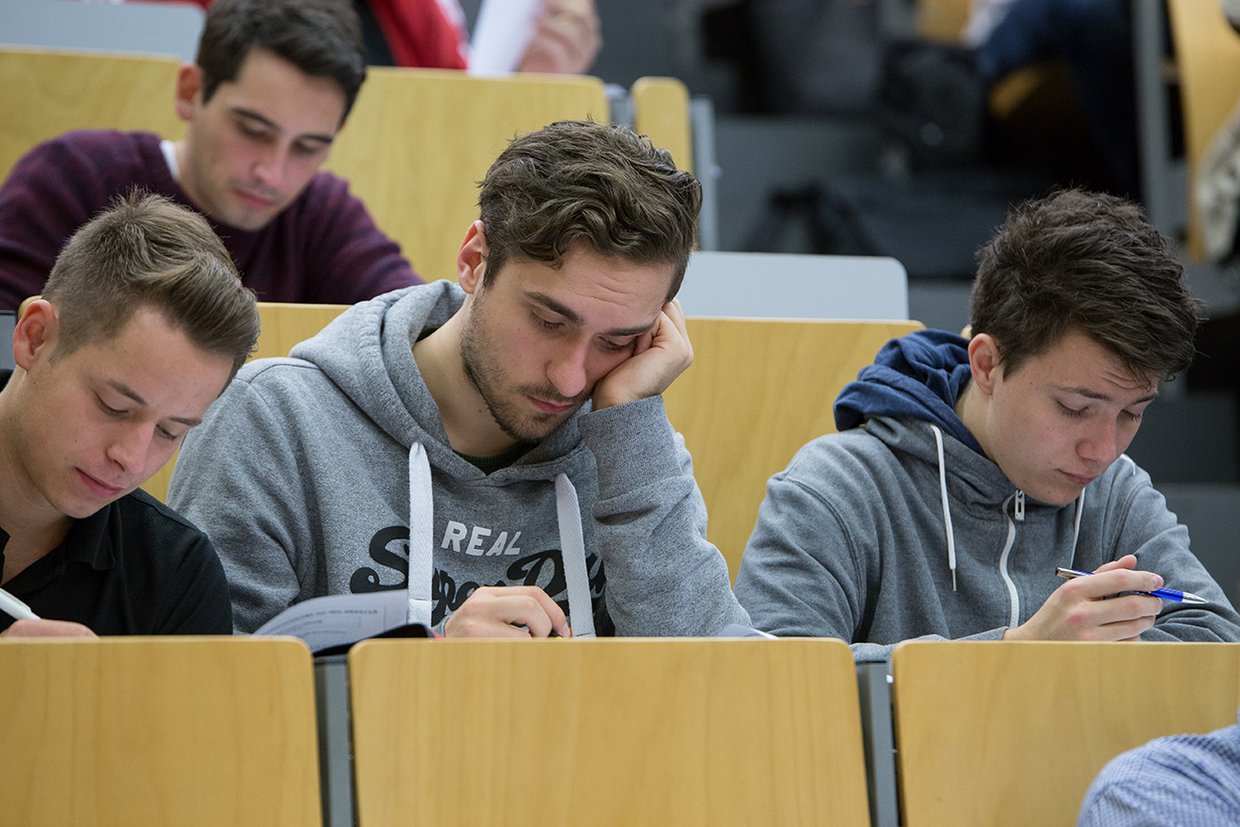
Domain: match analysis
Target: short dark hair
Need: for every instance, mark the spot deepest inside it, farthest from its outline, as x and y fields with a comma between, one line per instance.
x=146, y=251
x=1091, y=263
x=322, y=38
x=582, y=183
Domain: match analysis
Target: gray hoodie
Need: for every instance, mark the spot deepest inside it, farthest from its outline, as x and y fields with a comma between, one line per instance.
x=898, y=530
x=306, y=472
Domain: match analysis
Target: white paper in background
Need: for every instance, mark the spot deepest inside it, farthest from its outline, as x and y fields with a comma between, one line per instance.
x=503, y=30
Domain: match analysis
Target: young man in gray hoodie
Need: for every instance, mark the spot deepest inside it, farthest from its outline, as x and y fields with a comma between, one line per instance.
x=497, y=448
x=967, y=470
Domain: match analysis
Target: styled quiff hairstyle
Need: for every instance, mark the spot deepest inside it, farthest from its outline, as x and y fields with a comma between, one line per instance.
x=1091, y=263
x=145, y=251
x=603, y=187
x=322, y=38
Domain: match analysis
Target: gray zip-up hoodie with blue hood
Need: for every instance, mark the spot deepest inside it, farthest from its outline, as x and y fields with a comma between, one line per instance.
x=330, y=473
x=899, y=527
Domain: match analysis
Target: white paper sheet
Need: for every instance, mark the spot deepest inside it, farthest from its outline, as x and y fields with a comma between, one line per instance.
x=340, y=618
x=503, y=30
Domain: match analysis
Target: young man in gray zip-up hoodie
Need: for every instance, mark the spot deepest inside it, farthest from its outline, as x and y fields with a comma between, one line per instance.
x=966, y=471
x=497, y=448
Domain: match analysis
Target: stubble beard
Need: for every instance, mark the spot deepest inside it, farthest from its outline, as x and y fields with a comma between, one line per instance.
x=488, y=377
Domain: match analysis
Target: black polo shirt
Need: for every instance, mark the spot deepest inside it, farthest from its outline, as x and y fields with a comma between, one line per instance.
x=135, y=567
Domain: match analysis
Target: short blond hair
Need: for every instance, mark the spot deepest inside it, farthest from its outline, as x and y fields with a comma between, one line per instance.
x=146, y=251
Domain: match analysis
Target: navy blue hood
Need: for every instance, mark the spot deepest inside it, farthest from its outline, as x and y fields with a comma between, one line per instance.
x=918, y=376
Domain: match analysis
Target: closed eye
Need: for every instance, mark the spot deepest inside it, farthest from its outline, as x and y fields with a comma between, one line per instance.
x=108, y=409
x=254, y=133
x=547, y=324
x=309, y=149
x=1073, y=413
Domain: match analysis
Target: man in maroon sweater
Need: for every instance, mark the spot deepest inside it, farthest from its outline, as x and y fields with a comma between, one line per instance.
x=271, y=87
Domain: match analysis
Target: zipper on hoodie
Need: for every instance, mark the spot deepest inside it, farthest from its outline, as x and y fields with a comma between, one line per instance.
x=1018, y=506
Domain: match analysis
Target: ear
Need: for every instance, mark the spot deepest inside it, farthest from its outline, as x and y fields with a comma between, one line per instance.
x=189, y=86
x=984, y=360
x=471, y=258
x=36, y=333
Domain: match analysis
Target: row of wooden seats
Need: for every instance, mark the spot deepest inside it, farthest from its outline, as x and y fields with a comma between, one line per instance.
x=637, y=731
x=413, y=148
x=757, y=391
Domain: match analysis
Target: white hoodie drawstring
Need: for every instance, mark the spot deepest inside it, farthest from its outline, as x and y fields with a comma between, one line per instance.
x=947, y=512
x=573, y=555
x=422, y=550
x=421, y=536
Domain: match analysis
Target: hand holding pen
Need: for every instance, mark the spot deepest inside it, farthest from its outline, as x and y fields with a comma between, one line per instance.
x=1112, y=603
x=1174, y=595
x=28, y=624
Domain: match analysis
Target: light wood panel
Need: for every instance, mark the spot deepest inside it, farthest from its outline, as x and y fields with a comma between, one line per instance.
x=44, y=93
x=1207, y=57
x=661, y=111
x=284, y=324
x=1013, y=733
x=612, y=731
x=127, y=731
x=757, y=391
x=419, y=140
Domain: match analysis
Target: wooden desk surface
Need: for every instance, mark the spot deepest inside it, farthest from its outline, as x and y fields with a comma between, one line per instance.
x=181, y=730
x=607, y=732
x=1014, y=733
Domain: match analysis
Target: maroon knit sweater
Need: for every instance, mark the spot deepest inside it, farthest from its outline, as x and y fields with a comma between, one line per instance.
x=324, y=248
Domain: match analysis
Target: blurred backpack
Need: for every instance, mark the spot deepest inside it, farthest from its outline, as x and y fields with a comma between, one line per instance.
x=933, y=102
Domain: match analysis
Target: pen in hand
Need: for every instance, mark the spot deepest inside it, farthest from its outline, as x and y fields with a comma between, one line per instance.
x=15, y=608
x=1174, y=595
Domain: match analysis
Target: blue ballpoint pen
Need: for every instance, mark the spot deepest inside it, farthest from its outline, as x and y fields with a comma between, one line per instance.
x=1174, y=595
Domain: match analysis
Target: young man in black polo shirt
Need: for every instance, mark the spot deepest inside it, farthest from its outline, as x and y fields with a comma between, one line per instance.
x=142, y=324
